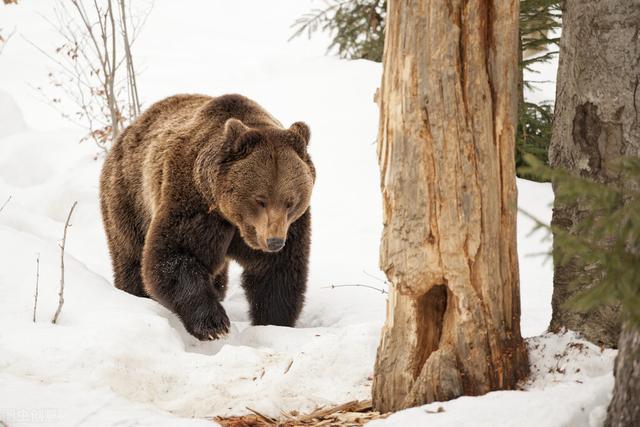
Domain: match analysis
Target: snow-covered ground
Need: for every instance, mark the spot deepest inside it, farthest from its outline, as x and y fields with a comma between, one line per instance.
x=114, y=359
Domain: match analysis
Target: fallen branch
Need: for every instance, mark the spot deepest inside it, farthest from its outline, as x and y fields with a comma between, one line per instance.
x=263, y=418
x=35, y=296
x=323, y=412
x=64, y=240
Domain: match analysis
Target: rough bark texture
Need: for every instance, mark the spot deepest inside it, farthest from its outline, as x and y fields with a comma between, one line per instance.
x=624, y=409
x=596, y=122
x=448, y=114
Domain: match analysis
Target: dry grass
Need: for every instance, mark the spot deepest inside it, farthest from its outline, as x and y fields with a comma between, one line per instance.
x=355, y=413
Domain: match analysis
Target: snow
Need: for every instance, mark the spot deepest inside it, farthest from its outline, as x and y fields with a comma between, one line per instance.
x=11, y=120
x=570, y=385
x=117, y=359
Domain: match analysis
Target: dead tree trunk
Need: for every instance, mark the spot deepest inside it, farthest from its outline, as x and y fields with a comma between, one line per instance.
x=448, y=114
x=596, y=122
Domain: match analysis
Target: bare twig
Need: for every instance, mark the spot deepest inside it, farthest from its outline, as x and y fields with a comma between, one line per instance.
x=4, y=40
x=356, y=285
x=5, y=204
x=288, y=367
x=134, y=102
x=94, y=66
x=115, y=113
x=64, y=240
x=35, y=296
x=106, y=57
x=375, y=277
x=69, y=73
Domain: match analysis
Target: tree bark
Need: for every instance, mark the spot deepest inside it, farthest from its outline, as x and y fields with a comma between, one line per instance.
x=448, y=114
x=624, y=409
x=596, y=122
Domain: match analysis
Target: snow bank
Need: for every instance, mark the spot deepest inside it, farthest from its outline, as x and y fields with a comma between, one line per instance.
x=570, y=385
x=11, y=120
x=33, y=403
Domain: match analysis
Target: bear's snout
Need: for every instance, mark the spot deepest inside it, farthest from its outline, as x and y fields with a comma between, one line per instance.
x=275, y=244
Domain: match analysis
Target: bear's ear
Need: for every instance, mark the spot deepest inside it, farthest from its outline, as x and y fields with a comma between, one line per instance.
x=239, y=140
x=301, y=129
x=233, y=128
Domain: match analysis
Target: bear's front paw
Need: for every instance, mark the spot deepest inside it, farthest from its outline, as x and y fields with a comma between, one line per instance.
x=207, y=322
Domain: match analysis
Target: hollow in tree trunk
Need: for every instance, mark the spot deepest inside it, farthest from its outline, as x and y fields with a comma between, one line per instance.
x=448, y=114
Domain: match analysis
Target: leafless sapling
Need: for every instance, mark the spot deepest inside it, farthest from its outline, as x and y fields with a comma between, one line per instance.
x=62, y=246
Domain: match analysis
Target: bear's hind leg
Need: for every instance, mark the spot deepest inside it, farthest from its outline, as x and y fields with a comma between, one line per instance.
x=221, y=280
x=125, y=238
x=127, y=276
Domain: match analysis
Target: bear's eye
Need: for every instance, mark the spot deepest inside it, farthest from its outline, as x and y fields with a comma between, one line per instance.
x=261, y=203
x=289, y=205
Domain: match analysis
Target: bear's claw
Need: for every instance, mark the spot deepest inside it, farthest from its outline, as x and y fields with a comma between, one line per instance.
x=208, y=323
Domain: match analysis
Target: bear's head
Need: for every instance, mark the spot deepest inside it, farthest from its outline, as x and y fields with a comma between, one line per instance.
x=261, y=180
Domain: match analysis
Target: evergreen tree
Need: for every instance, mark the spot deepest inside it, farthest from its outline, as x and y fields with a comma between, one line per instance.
x=358, y=27
x=539, y=21
x=606, y=240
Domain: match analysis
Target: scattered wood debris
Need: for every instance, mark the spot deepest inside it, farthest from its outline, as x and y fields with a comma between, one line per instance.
x=354, y=413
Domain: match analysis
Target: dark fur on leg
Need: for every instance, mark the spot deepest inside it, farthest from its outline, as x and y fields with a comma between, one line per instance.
x=127, y=276
x=178, y=258
x=125, y=238
x=221, y=281
x=275, y=283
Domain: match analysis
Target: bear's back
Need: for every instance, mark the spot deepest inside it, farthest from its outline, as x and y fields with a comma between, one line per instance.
x=222, y=108
x=159, y=148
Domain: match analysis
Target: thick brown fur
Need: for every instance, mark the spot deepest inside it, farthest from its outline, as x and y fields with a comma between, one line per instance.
x=196, y=181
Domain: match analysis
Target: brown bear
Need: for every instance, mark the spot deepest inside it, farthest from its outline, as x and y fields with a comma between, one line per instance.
x=196, y=181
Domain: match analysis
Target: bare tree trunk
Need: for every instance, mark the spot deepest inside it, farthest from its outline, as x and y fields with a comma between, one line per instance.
x=132, y=85
x=596, y=122
x=62, y=246
x=448, y=114
x=103, y=40
x=110, y=85
x=624, y=409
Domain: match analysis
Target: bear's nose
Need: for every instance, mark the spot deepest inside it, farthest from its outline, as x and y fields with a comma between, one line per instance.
x=275, y=244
